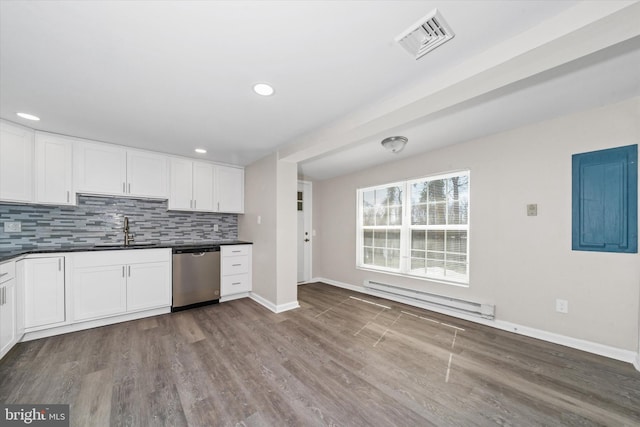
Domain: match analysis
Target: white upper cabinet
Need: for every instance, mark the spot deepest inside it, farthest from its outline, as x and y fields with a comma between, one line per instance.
x=51, y=169
x=229, y=189
x=202, y=186
x=146, y=174
x=53, y=175
x=100, y=168
x=181, y=184
x=191, y=185
x=16, y=163
x=111, y=170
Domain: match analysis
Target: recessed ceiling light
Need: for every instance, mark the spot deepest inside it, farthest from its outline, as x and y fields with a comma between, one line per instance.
x=263, y=89
x=200, y=150
x=28, y=116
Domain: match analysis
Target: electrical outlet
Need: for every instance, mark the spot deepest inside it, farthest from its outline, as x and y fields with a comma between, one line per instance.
x=562, y=306
x=13, y=227
x=215, y=227
x=532, y=210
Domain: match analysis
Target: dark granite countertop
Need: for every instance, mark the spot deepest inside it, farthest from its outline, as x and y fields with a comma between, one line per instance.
x=7, y=254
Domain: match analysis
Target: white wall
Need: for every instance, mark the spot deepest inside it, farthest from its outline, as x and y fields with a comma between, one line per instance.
x=519, y=263
x=270, y=193
x=260, y=197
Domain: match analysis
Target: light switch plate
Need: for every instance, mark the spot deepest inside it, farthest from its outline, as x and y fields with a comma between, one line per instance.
x=13, y=227
x=215, y=227
x=532, y=210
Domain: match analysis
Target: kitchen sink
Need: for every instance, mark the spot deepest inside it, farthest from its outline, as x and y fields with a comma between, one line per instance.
x=122, y=245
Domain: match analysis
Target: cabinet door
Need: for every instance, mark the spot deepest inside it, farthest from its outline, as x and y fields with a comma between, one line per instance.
x=54, y=170
x=99, y=291
x=229, y=189
x=100, y=168
x=7, y=316
x=202, y=187
x=16, y=163
x=146, y=174
x=44, y=291
x=148, y=285
x=181, y=184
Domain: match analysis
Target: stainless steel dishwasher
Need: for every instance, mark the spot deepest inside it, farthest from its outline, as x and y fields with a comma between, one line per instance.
x=196, y=277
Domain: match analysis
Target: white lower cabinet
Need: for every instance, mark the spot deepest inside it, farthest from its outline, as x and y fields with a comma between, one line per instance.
x=235, y=271
x=99, y=291
x=117, y=282
x=44, y=291
x=147, y=286
x=8, y=308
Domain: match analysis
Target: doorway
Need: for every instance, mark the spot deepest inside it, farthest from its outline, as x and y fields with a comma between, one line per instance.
x=304, y=231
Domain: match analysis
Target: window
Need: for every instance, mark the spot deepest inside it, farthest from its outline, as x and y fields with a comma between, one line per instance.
x=416, y=228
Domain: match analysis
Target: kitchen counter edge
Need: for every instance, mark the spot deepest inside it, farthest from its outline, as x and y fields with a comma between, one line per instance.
x=9, y=255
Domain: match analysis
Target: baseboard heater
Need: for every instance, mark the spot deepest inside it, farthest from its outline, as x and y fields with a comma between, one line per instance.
x=486, y=311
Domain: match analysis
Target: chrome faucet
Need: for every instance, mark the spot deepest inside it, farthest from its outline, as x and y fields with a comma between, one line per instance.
x=128, y=237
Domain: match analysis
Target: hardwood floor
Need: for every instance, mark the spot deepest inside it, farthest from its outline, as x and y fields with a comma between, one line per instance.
x=343, y=358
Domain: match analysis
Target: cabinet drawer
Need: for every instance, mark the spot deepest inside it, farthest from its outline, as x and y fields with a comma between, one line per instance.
x=235, y=284
x=235, y=250
x=235, y=265
x=7, y=271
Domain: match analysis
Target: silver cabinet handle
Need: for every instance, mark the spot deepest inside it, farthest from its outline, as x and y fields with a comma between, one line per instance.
x=123, y=271
x=235, y=252
x=67, y=196
x=236, y=283
x=129, y=271
x=218, y=206
x=124, y=190
x=236, y=265
x=195, y=202
x=129, y=188
x=190, y=204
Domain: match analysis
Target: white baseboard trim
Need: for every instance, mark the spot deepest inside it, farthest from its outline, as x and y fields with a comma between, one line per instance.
x=234, y=296
x=43, y=333
x=273, y=307
x=579, y=344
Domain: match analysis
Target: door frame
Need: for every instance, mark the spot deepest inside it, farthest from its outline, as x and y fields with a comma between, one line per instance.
x=307, y=200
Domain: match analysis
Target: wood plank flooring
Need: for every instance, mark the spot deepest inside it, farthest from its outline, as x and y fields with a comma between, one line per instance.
x=342, y=359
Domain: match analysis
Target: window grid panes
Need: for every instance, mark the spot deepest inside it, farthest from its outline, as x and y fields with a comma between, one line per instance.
x=432, y=236
x=381, y=219
x=439, y=227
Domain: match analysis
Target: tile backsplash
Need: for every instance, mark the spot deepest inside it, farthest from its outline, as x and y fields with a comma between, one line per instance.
x=98, y=219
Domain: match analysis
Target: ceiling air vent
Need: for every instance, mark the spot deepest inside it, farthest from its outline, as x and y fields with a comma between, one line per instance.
x=425, y=35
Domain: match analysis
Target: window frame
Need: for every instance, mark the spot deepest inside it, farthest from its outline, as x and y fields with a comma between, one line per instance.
x=406, y=229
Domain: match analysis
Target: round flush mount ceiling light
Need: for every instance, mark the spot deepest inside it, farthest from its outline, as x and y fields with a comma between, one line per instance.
x=395, y=144
x=28, y=116
x=200, y=151
x=263, y=89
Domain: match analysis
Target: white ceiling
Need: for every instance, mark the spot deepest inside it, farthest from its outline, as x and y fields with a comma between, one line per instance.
x=175, y=75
